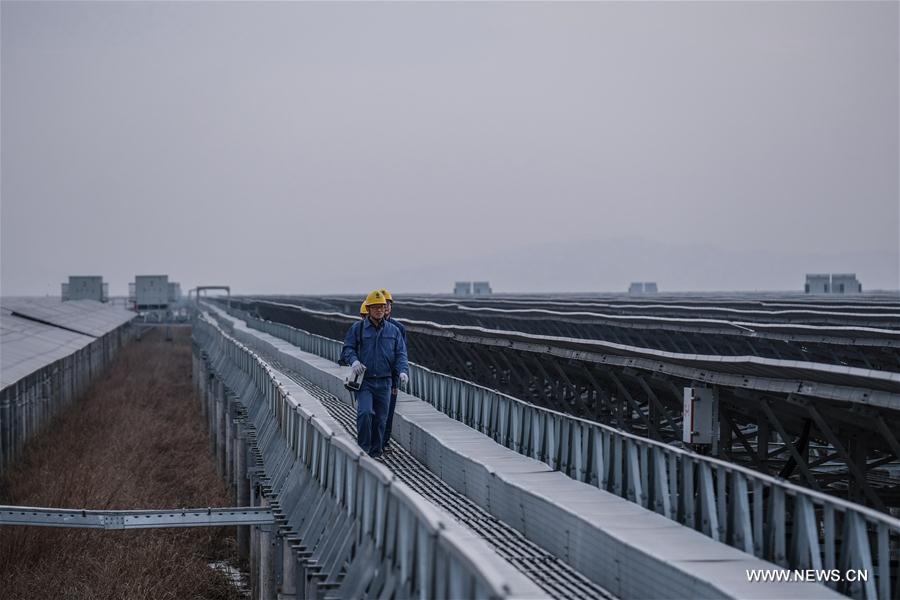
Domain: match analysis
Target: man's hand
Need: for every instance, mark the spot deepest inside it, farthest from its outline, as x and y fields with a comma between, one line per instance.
x=357, y=368
x=404, y=379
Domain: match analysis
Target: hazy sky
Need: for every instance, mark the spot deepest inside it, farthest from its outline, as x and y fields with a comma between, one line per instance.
x=312, y=147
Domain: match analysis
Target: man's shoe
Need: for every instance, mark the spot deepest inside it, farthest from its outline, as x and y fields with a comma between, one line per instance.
x=387, y=451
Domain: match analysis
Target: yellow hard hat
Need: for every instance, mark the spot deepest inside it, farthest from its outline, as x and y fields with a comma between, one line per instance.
x=374, y=298
x=363, y=310
x=387, y=295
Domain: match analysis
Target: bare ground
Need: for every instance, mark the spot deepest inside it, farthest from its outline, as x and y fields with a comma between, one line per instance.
x=136, y=440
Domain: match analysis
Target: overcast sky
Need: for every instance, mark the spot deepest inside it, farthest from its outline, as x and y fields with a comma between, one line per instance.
x=317, y=148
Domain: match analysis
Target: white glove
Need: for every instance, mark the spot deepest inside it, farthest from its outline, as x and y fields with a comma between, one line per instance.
x=357, y=368
x=404, y=379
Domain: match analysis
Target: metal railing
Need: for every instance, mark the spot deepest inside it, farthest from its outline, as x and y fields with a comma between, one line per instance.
x=133, y=519
x=768, y=517
x=430, y=554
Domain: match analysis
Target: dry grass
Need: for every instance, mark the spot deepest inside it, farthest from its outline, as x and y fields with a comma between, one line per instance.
x=137, y=440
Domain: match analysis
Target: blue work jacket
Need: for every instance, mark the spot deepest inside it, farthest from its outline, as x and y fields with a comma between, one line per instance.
x=399, y=326
x=382, y=349
x=395, y=383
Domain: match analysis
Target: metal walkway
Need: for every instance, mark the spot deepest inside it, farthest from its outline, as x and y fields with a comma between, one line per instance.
x=770, y=518
x=590, y=531
x=551, y=574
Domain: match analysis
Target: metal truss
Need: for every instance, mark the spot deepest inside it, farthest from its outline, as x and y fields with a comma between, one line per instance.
x=837, y=447
x=772, y=518
x=766, y=431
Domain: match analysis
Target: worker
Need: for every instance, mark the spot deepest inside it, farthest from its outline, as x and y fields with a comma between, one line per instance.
x=395, y=387
x=375, y=346
x=363, y=311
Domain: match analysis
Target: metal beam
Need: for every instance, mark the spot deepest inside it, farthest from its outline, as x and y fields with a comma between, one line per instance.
x=751, y=451
x=655, y=402
x=567, y=383
x=762, y=441
x=603, y=409
x=801, y=462
x=516, y=379
x=134, y=519
x=542, y=382
x=888, y=436
x=852, y=465
x=634, y=406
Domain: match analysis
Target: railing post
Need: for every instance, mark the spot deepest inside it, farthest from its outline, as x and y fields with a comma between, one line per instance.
x=504, y=422
x=828, y=530
x=662, y=500
x=577, y=450
x=857, y=555
x=552, y=447
x=516, y=411
x=617, y=459
x=884, y=562
x=688, y=506
x=644, y=466
x=709, y=516
x=758, y=518
x=722, y=502
x=778, y=528
x=805, y=547
x=635, y=491
x=536, y=434
x=424, y=556
x=740, y=512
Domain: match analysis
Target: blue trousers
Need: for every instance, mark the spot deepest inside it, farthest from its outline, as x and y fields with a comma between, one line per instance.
x=390, y=422
x=372, y=403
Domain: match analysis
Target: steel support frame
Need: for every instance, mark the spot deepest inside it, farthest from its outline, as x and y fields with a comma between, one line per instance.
x=614, y=388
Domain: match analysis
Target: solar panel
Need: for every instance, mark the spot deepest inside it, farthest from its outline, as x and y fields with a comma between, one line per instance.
x=84, y=316
x=27, y=346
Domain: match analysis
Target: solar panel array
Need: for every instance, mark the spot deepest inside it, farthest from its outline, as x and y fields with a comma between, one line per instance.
x=36, y=332
x=84, y=316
